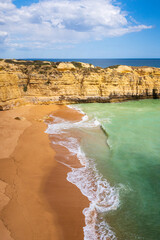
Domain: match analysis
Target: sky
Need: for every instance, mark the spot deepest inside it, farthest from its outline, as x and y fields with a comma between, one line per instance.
x=79, y=29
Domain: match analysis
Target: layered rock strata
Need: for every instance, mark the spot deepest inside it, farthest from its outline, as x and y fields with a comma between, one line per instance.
x=43, y=82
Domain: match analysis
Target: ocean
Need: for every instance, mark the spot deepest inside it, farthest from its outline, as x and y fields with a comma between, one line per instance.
x=110, y=62
x=118, y=145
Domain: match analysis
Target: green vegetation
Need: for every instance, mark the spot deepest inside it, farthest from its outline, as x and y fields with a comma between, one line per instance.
x=18, y=62
x=54, y=64
x=96, y=69
x=77, y=64
x=40, y=63
x=46, y=68
x=27, y=62
x=48, y=82
x=25, y=88
x=112, y=67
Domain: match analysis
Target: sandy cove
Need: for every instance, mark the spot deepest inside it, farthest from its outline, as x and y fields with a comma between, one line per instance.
x=36, y=200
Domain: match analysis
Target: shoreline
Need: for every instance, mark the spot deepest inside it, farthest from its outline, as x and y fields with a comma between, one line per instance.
x=69, y=202
x=102, y=197
x=66, y=134
x=28, y=173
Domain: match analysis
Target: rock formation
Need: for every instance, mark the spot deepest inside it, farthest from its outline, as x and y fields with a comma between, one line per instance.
x=43, y=82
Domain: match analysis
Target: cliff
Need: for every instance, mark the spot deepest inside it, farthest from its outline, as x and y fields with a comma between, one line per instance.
x=43, y=82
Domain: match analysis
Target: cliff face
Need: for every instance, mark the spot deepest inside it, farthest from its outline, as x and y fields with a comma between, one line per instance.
x=46, y=82
x=9, y=86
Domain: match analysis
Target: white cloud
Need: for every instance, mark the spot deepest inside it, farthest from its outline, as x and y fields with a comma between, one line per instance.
x=3, y=37
x=44, y=24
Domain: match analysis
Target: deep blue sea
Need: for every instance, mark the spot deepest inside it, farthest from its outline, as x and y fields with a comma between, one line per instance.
x=110, y=62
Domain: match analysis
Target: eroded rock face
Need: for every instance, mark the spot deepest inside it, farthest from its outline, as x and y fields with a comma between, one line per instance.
x=46, y=82
x=9, y=86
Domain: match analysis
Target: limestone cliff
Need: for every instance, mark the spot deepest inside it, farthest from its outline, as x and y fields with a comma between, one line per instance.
x=47, y=82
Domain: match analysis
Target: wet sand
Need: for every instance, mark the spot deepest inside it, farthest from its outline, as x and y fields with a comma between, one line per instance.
x=36, y=200
x=67, y=200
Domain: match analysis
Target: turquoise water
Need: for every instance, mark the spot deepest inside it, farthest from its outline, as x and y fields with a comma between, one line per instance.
x=130, y=158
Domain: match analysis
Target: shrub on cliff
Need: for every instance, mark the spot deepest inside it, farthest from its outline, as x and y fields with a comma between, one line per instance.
x=25, y=88
x=114, y=66
x=77, y=64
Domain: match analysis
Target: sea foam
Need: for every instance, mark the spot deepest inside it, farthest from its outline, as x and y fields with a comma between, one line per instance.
x=60, y=125
x=91, y=183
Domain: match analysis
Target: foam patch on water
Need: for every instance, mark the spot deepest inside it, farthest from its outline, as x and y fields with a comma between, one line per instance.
x=102, y=196
x=60, y=125
x=76, y=108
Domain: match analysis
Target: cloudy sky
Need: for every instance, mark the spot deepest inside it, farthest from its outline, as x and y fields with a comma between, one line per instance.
x=79, y=28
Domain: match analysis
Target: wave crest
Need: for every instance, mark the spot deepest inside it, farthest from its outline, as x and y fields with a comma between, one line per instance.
x=102, y=196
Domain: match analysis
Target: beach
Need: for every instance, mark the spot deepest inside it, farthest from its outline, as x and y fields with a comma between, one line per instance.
x=36, y=200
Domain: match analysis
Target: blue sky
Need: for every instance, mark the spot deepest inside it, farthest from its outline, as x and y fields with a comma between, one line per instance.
x=79, y=29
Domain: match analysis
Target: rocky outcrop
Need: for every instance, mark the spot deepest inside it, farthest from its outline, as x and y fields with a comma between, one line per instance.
x=9, y=86
x=39, y=82
x=65, y=66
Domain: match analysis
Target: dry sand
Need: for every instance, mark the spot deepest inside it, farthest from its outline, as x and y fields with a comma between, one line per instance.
x=36, y=201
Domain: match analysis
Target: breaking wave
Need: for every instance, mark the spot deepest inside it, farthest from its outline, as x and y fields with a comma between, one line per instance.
x=102, y=196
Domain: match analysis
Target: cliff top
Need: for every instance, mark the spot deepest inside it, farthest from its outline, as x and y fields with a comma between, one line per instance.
x=47, y=66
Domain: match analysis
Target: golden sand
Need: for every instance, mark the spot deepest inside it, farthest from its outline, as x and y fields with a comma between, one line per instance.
x=36, y=201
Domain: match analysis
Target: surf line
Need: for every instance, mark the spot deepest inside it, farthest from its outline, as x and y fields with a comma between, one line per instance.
x=92, y=184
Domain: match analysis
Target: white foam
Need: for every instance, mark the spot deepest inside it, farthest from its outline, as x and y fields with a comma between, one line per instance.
x=60, y=125
x=74, y=148
x=76, y=108
x=65, y=164
x=102, y=196
x=107, y=120
x=91, y=183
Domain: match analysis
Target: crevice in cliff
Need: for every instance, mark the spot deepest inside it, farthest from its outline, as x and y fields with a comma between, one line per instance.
x=155, y=93
x=81, y=86
x=34, y=82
